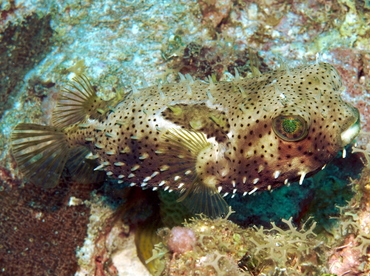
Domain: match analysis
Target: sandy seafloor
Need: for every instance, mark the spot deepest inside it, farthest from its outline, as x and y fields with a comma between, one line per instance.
x=125, y=43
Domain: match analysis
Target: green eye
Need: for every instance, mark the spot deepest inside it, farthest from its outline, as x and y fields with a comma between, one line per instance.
x=290, y=127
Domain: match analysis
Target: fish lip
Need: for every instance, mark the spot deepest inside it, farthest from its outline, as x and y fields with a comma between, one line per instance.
x=350, y=133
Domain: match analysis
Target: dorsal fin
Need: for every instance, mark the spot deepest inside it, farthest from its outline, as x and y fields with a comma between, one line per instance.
x=72, y=102
x=77, y=102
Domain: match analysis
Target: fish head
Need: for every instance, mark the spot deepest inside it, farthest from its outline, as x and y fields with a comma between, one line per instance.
x=291, y=125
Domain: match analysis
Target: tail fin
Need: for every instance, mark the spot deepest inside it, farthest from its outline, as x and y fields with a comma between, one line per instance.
x=41, y=153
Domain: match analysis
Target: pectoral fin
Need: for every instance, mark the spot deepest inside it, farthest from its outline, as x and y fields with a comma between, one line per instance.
x=198, y=196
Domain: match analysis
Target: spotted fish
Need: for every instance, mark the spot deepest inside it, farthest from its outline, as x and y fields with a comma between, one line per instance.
x=203, y=139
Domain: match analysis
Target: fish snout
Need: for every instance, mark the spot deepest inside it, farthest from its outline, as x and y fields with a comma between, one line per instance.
x=352, y=127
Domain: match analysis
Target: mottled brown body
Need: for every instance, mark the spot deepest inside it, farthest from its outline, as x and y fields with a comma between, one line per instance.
x=244, y=153
x=196, y=137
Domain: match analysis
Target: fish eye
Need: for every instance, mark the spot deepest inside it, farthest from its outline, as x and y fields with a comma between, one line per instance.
x=290, y=127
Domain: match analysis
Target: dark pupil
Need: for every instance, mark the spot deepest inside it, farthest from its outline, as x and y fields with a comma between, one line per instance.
x=289, y=125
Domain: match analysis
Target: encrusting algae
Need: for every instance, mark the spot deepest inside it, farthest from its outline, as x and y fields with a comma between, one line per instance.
x=199, y=138
x=220, y=247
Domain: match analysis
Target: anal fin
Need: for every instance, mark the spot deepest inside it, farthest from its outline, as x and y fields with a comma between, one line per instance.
x=82, y=169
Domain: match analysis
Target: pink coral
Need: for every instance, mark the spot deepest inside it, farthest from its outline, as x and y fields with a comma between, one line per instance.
x=346, y=259
x=181, y=240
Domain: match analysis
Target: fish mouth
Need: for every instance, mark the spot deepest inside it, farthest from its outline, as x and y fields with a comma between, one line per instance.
x=350, y=133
